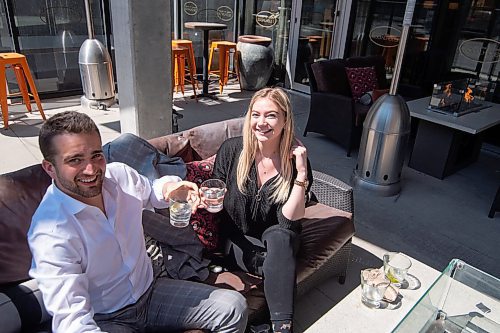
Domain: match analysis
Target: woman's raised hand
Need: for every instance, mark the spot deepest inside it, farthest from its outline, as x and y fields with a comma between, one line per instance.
x=300, y=152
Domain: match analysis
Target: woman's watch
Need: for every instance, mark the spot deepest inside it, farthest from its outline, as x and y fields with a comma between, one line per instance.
x=303, y=184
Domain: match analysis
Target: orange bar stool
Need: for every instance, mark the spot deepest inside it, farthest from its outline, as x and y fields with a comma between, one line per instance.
x=19, y=64
x=223, y=72
x=191, y=61
x=179, y=55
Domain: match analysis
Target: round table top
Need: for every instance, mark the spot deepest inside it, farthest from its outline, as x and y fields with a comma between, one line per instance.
x=205, y=25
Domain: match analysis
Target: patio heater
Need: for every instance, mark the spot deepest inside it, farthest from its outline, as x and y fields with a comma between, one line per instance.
x=96, y=70
x=385, y=132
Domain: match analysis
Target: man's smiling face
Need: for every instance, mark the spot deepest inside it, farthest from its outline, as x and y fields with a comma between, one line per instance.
x=78, y=166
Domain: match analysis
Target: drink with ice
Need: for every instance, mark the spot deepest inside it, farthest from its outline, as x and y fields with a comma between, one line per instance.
x=213, y=191
x=373, y=287
x=396, y=267
x=180, y=213
x=373, y=294
x=214, y=197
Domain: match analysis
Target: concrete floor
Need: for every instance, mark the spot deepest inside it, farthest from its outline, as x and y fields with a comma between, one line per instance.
x=431, y=220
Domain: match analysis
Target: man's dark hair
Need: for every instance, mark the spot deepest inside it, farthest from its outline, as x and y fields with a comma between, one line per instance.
x=68, y=122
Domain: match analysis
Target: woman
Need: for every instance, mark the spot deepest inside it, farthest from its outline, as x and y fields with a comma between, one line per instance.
x=268, y=177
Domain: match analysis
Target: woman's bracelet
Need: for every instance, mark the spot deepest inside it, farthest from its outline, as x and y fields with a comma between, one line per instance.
x=302, y=184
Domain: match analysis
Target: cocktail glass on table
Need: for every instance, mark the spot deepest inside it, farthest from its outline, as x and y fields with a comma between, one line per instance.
x=396, y=266
x=374, y=283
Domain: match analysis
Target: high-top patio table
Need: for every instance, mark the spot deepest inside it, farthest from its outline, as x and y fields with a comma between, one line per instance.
x=206, y=27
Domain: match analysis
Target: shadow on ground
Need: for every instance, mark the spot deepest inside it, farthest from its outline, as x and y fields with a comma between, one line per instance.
x=316, y=303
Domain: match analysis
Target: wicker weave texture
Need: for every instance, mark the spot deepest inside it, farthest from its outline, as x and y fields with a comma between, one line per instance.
x=332, y=192
x=335, y=266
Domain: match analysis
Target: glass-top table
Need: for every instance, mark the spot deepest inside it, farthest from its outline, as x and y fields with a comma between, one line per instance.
x=463, y=299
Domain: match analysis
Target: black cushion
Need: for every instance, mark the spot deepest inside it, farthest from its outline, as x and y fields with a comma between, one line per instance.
x=331, y=77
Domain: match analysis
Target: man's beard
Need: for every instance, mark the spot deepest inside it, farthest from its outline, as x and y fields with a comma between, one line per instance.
x=82, y=191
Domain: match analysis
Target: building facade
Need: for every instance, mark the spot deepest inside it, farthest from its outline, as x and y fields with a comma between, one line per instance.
x=449, y=39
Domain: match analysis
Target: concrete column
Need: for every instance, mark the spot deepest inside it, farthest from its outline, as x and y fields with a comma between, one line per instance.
x=141, y=32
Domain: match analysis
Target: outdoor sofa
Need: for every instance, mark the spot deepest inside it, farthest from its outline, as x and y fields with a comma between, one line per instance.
x=325, y=239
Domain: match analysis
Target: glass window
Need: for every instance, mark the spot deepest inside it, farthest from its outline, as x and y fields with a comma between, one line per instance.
x=478, y=52
x=315, y=35
x=50, y=34
x=214, y=11
x=5, y=36
x=271, y=18
x=448, y=39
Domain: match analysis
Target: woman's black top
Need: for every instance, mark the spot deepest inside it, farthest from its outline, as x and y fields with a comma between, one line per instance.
x=251, y=212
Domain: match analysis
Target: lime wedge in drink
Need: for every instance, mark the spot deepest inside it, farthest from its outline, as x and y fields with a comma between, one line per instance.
x=391, y=276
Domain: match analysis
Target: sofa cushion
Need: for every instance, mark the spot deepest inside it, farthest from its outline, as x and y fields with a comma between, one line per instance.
x=199, y=142
x=324, y=231
x=20, y=194
x=203, y=222
x=205, y=140
x=331, y=77
x=361, y=80
x=174, y=145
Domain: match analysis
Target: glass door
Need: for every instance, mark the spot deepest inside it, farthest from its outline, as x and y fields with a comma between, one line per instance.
x=213, y=11
x=49, y=33
x=315, y=35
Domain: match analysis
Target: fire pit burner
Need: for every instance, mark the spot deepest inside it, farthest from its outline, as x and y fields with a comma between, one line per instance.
x=458, y=97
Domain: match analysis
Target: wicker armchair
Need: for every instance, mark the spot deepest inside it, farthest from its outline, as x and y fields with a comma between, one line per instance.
x=333, y=111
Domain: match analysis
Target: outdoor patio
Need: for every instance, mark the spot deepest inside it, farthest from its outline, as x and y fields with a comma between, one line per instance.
x=431, y=220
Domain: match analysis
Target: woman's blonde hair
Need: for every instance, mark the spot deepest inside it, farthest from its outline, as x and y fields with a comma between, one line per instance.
x=281, y=186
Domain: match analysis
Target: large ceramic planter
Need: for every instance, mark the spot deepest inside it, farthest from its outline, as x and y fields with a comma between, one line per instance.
x=255, y=61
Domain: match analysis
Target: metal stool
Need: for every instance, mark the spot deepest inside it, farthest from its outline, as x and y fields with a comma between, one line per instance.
x=19, y=64
x=191, y=61
x=179, y=55
x=223, y=72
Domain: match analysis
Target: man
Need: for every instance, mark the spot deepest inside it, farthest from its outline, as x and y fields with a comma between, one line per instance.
x=87, y=241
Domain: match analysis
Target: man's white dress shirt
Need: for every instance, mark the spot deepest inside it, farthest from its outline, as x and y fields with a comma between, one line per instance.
x=85, y=262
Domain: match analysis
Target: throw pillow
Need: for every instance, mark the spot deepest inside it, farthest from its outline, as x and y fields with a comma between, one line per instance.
x=361, y=80
x=199, y=171
x=203, y=222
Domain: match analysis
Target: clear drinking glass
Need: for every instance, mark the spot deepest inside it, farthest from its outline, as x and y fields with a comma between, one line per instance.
x=180, y=212
x=213, y=191
x=373, y=286
x=396, y=266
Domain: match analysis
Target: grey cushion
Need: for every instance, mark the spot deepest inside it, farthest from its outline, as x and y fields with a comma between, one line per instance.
x=23, y=304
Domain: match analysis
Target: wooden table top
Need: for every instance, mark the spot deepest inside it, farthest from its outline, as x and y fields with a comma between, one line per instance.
x=205, y=25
